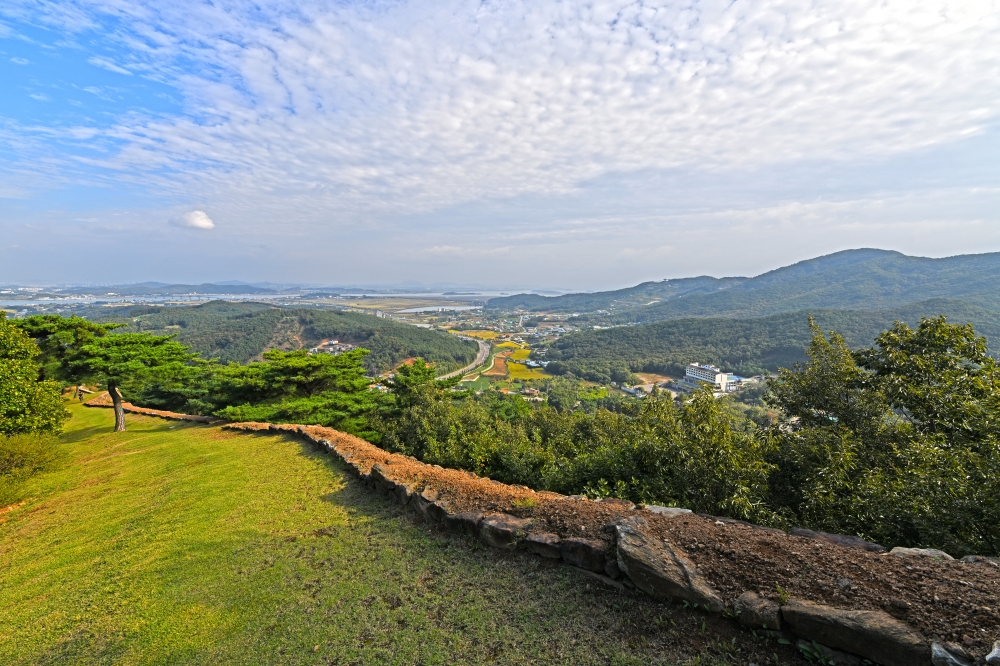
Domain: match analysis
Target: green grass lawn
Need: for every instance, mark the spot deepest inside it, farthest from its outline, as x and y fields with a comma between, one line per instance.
x=175, y=544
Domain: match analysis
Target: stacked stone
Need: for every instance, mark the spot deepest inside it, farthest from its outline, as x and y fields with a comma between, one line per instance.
x=639, y=560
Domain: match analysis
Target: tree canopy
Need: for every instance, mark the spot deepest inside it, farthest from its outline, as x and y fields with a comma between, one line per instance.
x=26, y=404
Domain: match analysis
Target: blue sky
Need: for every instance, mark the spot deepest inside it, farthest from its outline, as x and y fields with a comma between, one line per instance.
x=540, y=144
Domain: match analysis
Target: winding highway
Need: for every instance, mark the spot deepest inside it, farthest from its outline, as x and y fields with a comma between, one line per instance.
x=484, y=353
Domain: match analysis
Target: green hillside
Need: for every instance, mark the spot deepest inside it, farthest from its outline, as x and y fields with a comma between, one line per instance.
x=853, y=279
x=185, y=544
x=241, y=331
x=747, y=346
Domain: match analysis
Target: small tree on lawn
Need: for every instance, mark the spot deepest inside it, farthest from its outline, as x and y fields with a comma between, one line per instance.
x=128, y=360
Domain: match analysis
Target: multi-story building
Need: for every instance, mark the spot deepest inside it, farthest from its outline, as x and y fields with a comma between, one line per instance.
x=720, y=381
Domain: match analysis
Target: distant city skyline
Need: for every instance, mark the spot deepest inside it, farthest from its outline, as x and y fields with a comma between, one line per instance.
x=540, y=145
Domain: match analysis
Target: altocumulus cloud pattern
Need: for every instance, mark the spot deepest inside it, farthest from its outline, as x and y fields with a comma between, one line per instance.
x=312, y=111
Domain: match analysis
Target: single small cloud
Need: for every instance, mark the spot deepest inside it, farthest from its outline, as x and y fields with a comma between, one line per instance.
x=20, y=61
x=104, y=63
x=40, y=97
x=196, y=219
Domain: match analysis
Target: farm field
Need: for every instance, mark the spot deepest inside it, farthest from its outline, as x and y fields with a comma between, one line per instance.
x=482, y=335
x=185, y=544
x=499, y=369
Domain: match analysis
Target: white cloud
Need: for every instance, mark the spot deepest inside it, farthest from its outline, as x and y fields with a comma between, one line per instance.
x=412, y=106
x=105, y=63
x=196, y=219
x=20, y=61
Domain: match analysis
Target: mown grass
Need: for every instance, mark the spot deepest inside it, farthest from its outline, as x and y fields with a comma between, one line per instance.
x=185, y=544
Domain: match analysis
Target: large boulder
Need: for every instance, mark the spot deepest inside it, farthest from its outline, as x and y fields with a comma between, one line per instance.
x=503, y=531
x=875, y=635
x=661, y=569
x=993, y=658
x=380, y=476
x=544, y=544
x=428, y=506
x=899, y=551
x=584, y=553
x=757, y=612
x=463, y=523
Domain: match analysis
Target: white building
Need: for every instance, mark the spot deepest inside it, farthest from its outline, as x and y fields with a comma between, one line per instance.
x=720, y=381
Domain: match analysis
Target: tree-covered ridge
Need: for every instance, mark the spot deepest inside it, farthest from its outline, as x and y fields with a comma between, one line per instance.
x=639, y=295
x=243, y=331
x=746, y=346
x=852, y=279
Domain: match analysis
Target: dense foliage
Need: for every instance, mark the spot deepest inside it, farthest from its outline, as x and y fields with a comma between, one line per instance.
x=242, y=331
x=286, y=387
x=27, y=404
x=744, y=346
x=699, y=454
x=899, y=442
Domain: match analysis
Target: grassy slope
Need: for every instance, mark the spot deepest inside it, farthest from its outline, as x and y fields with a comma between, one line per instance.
x=187, y=544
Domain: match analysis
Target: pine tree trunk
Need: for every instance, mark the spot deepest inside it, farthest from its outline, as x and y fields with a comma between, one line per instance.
x=116, y=398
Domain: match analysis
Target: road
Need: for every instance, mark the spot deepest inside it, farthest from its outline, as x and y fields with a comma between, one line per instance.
x=484, y=353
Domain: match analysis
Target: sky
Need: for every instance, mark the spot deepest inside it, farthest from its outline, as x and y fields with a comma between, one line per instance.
x=540, y=144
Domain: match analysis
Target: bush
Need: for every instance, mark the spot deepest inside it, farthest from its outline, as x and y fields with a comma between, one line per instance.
x=26, y=404
x=21, y=457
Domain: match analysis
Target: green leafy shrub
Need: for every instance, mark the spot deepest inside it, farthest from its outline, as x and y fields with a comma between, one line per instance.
x=26, y=404
x=21, y=457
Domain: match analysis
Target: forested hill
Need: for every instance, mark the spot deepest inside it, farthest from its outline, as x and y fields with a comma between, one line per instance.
x=242, y=331
x=853, y=279
x=639, y=295
x=745, y=346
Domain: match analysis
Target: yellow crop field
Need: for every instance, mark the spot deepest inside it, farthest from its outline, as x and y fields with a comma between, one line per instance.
x=520, y=355
x=508, y=345
x=482, y=335
x=519, y=371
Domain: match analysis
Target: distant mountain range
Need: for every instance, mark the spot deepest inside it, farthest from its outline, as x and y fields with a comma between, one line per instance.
x=865, y=279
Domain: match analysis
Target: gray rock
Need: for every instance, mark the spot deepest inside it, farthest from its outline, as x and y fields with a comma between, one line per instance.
x=826, y=654
x=756, y=612
x=381, y=477
x=942, y=656
x=624, y=505
x=661, y=569
x=503, y=531
x=980, y=559
x=611, y=569
x=544, y=544
x=668, y=511
x=463, y=523
x=874, y=635
x=610, y=582
x=839, y=540
x=404, y=492
x=993, y=658
x=584, y=553
x=899, y=551
x=427, y=505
